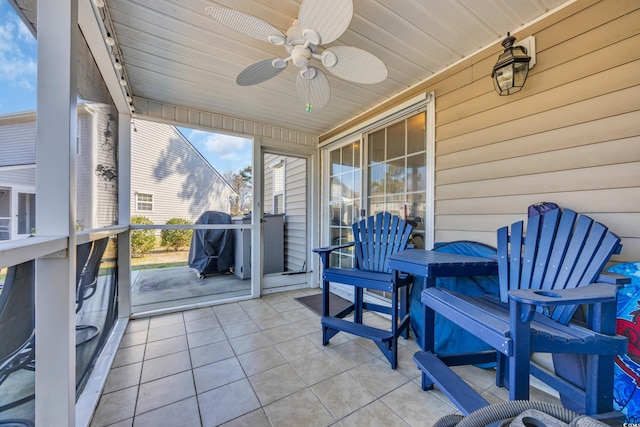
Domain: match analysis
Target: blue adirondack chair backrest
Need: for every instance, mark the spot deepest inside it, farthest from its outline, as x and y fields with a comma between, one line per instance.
x=378, y=237
x=560, y=250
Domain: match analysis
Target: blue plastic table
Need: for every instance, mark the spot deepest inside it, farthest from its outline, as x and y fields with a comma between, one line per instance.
x=431, y=265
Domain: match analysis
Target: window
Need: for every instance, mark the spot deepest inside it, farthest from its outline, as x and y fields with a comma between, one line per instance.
x=278, y=188
x=144, y=202
x=387, y=173
x=397, y=171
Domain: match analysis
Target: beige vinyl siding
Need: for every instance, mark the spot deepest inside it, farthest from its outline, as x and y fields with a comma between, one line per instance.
x=17, y=140
x=295, y=239
x=24, y=177
x=167, y=166
x=571, y=136
x=295, y=188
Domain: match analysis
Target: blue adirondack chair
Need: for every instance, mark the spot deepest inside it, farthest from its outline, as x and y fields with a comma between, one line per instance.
x=375, y=239
x=545, y=275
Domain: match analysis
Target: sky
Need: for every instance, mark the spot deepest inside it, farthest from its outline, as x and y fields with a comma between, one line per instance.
x=18, y=72
x=224, y=152
x=18, y=52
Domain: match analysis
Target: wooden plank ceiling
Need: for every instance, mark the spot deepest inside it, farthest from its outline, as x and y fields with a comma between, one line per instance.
x=174, y=53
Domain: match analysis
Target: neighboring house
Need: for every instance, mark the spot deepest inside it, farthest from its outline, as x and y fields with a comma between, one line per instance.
x=170, y=178
x=97, y=186
x=17, y=174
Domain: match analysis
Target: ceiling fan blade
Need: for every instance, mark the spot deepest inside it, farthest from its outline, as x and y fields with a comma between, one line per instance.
x=313, y=88
x=356, y=65
x=247, y=24
x=328, y=18
x=259, y=72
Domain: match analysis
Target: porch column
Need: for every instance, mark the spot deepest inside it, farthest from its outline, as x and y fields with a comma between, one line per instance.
x=55, y=211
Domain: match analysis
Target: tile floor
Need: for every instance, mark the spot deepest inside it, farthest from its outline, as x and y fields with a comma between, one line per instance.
x=262, y=363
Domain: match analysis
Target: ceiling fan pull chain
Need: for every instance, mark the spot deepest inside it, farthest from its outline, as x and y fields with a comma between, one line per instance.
x=308, y=107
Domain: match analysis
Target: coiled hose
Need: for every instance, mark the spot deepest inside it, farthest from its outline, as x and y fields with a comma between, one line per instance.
x=507, y=410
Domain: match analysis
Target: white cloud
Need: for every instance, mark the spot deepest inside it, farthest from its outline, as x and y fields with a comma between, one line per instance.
x=18, y=67
x=227, y=147
x=224, y=152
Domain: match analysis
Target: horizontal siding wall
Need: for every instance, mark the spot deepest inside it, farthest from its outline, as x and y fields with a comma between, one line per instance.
x=571, y=136
x=17, y=142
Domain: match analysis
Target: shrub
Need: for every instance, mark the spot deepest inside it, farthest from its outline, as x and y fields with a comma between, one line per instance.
x=176, y=239
x=142, y=241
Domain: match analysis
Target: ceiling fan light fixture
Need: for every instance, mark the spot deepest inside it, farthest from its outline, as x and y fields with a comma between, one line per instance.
x=329, y=59
x=300, y=56
x=311, y=36
x=279, y=63
x=308, y=73
x=276, y=39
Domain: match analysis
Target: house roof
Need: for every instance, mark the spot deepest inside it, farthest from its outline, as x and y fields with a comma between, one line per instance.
x=174, y=54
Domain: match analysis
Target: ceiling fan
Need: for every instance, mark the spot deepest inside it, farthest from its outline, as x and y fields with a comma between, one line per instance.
x=319, y=22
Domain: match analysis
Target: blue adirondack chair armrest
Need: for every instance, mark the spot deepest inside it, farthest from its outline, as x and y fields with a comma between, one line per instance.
x=614, y=279
x=594, y=293
x=325, y=251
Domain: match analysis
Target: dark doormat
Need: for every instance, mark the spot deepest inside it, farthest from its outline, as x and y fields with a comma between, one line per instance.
x=314, y=303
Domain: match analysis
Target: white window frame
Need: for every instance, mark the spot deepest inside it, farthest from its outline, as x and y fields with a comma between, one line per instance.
x=152, y=202
x=279, y=178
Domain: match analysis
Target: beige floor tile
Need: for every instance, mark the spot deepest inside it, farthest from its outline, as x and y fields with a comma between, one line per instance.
x=230, y=313
x=133, y=338
x=182, y=413
x=239, y=329
x=208, y=336
x=283, y=333
x=165, y=319
x=165, y=391
x=210, y=353
x=349, y=354
x=129, y=355
x=317, y=367
x=164, y=332
x=300, y=409
x=270, y=321
x=261, y=360
x=202, y=324
x=416, y=407
x=165, y=366
x=164, y=347
x=378, y=376
x=297, y=348
x=376, y=414
x=123, y=377
x=198, y=313
x=227, y=403
x=217, y=374
x=342, y=394
x=137, y=325
x=256, y=418
x=276, y=383
x=248, y=343
x=114, y=407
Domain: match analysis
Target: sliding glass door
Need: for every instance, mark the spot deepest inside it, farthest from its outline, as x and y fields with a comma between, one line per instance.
x=385, y=169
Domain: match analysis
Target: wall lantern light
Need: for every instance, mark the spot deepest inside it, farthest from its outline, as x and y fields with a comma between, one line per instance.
x=512, y=68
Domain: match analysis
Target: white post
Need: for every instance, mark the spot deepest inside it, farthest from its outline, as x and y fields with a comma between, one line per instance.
x=55, y=214
x=124, y=213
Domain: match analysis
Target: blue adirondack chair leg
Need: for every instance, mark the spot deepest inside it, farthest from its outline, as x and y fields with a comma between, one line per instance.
x=375, y=239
